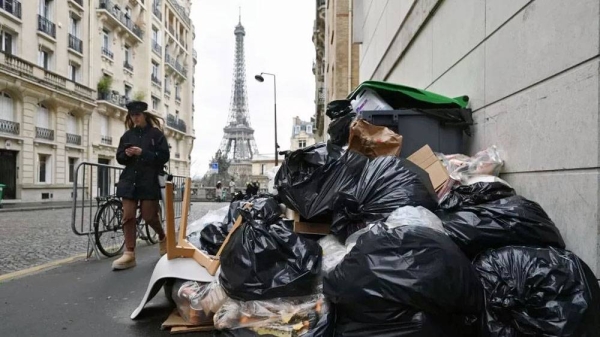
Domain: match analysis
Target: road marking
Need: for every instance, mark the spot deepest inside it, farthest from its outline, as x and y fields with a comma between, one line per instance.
x=37, y=269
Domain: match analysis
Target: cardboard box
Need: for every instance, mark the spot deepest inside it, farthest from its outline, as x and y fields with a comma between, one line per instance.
x=427, y=160
x=304, y=227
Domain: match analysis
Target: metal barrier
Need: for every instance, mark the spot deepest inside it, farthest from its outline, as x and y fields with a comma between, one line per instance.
x=96, y=183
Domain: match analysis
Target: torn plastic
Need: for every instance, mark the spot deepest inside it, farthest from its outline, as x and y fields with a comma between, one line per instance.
x=271, y=173
x=407, y=266
x=217, y=215
x=197, y=302
x=384, y=185
x=338, y=108
x=333, y=252
x=475, y=194
x=339, y=129
x=293, y=314
x=209, y=232
x=485, y=162
x=538, y=292
x=498, y=223
x=268, y=261
x=414, y=216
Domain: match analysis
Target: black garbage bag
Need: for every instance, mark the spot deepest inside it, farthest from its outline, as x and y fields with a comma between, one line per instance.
x=338, y=108
x=475, y=194
x=339, y=129
x=504, y=222
x=385, y=184
x=408, y=323
x=268, y=261
x=537, y=292
x=311, y=195
x=264, y=208
x=408, y=266
x=212, y=237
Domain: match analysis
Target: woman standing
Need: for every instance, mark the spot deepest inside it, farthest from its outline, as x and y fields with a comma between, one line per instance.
x=143, y=150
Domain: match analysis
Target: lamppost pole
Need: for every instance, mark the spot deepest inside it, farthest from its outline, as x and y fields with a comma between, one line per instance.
x=260, y=78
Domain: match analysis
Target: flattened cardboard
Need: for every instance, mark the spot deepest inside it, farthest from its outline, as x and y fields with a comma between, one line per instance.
x=427, y=160
x=305, y=227
x=178, y=325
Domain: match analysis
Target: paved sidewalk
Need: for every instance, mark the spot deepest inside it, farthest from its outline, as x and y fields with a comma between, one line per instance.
x=84, y=299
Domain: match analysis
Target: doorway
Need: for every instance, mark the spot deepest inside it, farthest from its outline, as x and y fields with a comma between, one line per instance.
x=103, y=178
x=8, y=173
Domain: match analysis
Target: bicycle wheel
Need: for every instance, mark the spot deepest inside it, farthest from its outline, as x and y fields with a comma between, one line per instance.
x=108, y=229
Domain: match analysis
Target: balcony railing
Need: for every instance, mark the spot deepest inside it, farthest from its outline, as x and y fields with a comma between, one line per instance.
x=39, y=75
x=178, y=97
x=46, y=26
x=173, y=63
x=12, y=7
x=43, y=133
x=167, y=91
x=106, y=140
x=107, y=53
x=156, y=11
x=114, y=97
x=181, y=11
x=122, y=18
x=127, y=66
x=194, y=54
x=9, y=127
x=176, y=123
x=155, y=80
x=172, y=31
x=80, y=2
x=75, y=43
x=157, y=48
x=73, y=139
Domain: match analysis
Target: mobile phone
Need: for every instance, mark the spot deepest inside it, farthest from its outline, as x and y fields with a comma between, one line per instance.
x=128, y=145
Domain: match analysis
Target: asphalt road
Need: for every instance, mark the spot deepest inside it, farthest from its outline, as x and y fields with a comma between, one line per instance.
x=83, y=298
x=31, y=238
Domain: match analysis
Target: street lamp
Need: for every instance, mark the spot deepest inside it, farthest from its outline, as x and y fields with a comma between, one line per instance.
x=261, y=79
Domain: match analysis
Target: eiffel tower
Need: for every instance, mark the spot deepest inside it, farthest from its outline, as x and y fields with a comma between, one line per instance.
x=238, y=143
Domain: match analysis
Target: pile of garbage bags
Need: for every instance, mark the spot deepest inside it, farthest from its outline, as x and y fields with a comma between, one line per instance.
x=472, y=258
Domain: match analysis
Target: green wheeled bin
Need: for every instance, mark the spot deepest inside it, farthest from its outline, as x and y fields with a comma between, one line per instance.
x=2, y=186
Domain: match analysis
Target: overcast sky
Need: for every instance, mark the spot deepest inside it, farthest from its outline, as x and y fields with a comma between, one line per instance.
x=278, y=40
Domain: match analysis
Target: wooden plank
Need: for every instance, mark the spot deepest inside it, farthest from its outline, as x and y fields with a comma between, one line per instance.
x=186, y=329
x=170, y=220
x=183, y=222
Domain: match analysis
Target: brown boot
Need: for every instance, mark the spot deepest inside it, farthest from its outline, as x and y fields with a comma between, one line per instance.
x=162, y=245
x=124, y=262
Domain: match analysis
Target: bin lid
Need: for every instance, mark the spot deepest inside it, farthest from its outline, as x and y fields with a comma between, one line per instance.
x=401, y=96
x=2, y=185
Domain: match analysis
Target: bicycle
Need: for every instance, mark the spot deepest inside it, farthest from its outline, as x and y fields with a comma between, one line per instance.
x=108, y=225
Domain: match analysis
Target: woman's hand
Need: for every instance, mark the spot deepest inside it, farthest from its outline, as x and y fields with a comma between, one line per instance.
x=133, y=151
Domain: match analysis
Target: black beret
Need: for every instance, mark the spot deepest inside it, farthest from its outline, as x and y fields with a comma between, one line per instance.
x=136, y=106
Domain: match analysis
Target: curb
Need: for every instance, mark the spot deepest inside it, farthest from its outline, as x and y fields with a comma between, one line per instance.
x=40, y=268
x=24, y=209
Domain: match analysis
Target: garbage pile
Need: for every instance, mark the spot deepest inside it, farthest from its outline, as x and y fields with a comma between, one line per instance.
x=419, y=244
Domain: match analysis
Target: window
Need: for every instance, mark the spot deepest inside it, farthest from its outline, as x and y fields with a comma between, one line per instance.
x=7, y=107
x=8, y=42
x=74, y=26
x=177, y=91
x=167, y=82
x=309, y=129
x=127, y=92
x=262, y=169
x=127, y=54
x=43, y=117
x=154, y=70
x=106, y=39
x=166, y=109
x=45, y=59
x=45, y=8
x=297, y=129
x=176, y=115
x=155, y=36
x=72, y=165
x=301, y=143
x=103, y=125
x=72, y=124
x=155, y=103
x=128, y=12
x=44, y=168
x=74, y=72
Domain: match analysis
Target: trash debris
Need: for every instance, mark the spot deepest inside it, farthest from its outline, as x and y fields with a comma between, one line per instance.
x=373, y=141
x=414, y=216
x=187, y=296
x=508, y=221
x=339, y=129
x=265, y=261
x=486, y=162
x=538, y=292
x=475, y=194
x=414, y=267
x=333, y=252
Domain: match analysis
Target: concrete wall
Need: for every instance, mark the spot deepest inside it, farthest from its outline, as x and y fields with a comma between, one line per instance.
x=531, y=69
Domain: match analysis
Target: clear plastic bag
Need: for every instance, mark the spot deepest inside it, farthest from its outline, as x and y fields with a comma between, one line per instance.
x=295, y=315
x=485, y=162
x=333, y=252
x=197, y=302
x=414, y=216
x=216, y=215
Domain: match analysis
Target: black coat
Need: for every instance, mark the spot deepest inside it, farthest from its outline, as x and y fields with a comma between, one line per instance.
x=139, y=179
